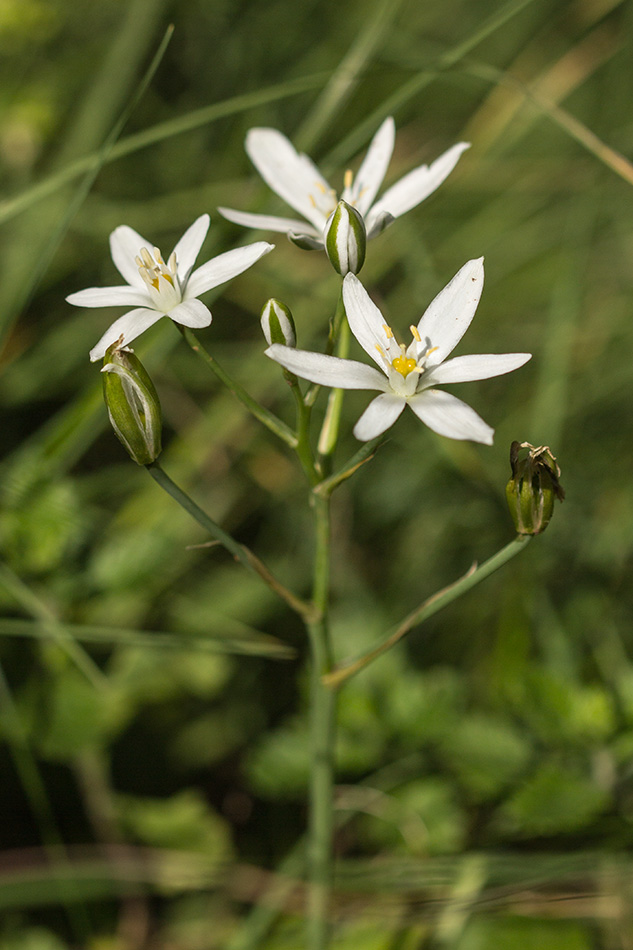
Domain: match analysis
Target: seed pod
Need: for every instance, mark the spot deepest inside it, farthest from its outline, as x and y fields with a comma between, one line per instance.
x=533, y=487
x=133, y=404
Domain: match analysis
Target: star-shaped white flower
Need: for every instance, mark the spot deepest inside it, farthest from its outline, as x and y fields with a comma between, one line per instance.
x=157, y=289
x=296, y=179
x=408, y=375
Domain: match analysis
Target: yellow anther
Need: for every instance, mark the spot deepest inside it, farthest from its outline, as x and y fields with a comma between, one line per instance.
x=312, y=201
x=415, y=334
x=432, y=350
x=388, y=331
x=349, y=178
x=404, y=365
x=321, y=187
x=158, y=257
x=380, y=350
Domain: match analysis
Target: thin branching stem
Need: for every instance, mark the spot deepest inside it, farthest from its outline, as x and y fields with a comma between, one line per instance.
x=239, y=551
x=323, y=711
x=431, y=606
x=267, y=418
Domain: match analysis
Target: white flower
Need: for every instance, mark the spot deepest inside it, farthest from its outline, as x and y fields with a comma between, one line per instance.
x=407, y=375
x=297, y=180
x=157, y=289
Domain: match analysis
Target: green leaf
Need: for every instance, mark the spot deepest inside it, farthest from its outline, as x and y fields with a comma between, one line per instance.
x=553, y=801
x=183, y=822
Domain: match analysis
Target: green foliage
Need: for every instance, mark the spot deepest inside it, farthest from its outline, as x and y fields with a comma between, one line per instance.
x=183, y=821
x=555, y=800
x=486, y=754
x=501, y=728
x=517, y=933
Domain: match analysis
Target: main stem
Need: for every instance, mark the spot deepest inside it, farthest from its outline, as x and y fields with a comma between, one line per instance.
x=323, y=704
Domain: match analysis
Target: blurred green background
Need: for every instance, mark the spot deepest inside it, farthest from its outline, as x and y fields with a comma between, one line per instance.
x=152, y=695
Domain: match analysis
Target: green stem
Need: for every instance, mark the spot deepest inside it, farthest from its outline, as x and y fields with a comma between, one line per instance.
x=303, y=450
x=341, y=334
x=239, y=551
x=269, y=419
x=360, y=458
x=431, y=606
x=323, y=708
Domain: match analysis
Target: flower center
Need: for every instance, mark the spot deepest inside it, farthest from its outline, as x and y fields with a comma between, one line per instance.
x=326, y=199
x=161, y=278
x=404, y=364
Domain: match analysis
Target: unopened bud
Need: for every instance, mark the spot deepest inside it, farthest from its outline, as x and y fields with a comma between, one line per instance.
x=345, y=239
x=132, y=403
x=278, y=324
x=533, y=487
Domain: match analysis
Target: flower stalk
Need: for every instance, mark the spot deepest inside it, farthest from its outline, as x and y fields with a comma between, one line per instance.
x=345, y=670
x=239, y=551
x=323, y=712
x=267, y=418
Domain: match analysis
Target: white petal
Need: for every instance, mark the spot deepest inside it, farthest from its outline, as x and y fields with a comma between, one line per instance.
x=129, y=326
x=450, y=314
x=381, y=413
x=449, y=416
x=463, y=369
x=379, y=223
x=188, y=247
x=191, y=313
x=373, y=169
x=294, y=177
x=267, y=222
x=125, y=245
x=365, y=319
x=417, y=185
x=327, y=370
x=110, y=297
x=305, y=241
x=223, y=267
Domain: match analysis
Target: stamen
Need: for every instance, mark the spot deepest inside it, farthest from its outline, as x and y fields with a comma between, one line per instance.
x=415, y=333
x=147, y=259
x=349, y=178
x=388, y=331
x=158, y=257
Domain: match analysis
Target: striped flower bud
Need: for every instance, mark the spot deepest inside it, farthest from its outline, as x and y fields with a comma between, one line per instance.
x=533, y=487
x=278, y=323
x=132, y=403
x=345, y=239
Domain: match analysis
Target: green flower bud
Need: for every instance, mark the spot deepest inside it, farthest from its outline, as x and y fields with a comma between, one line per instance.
x=345, y=239
x=132, y=403
x=278, y=324
x=533, y=487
